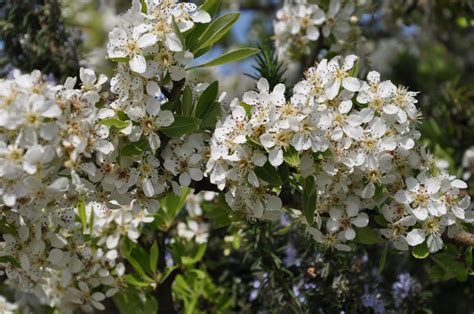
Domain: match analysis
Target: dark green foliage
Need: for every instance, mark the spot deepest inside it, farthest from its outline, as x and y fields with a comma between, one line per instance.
x=268, y=65
x=35, y=37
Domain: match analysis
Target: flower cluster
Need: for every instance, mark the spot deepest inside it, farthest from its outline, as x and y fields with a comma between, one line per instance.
x=359, y=141
x=298, y=23
x=147, y=41
x=65, y=153
x=50, y=138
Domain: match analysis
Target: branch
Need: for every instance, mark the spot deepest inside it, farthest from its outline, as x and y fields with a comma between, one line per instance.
x=464, y=238
x=164, y=292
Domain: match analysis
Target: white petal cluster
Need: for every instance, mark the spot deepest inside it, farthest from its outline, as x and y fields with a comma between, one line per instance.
x=298, y=23
x=358, y=138
x=147, y=40
x=56, y=157
x=186, y=158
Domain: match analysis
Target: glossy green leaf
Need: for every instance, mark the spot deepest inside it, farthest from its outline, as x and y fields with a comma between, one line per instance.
x=309, y=198
x=207, y=100
x=291, y=156
x=81, y=208
x=134, y=148
x=9, y=260
x=368, y=236
x=210, y=6
x=181, y=126
x=269, y=174
x=383, y=258
x=468, y=257
x=420, y=251
x=116, y=123
x=154, y=254
x=229, y=57
x=216, y=30
x=451, y=265
x=187, y=101
x=196, y=256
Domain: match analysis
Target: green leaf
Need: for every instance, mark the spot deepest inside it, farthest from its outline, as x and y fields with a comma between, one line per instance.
x=151, y=305
x=138, y=258
x=207, y=100
x=381, y=220
x=122, y=115
x=291, y=156
x=135, y=148
x=116, y=123
x=120, y=60
x=383, y=258
x=154, y=257
x=356, y=69
x=216, y=30
x=135, y=281
x=128, y=300
x=171, y=205
x=212, y=116
x=81, y=208
x=219, y=212
x=210, y=6
x=451, y=266
x=187, y=101
x=181, y=126
x=309, y=198
x=420, y=251
x=368, y=236
x=195, y=256
x=9, y=260
x=468, y=257
x=144, y=6
x=269, y=174
x=229, y=57
x=7, y=228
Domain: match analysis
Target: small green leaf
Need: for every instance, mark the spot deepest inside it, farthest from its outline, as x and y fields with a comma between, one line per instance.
x=229, y=57
x=468, y=257
x=9, y=260
x=212, y=116
x=207, y=100
x=135, y=148
x=216, y=30
x=181, y=126
x=187, y=101
x=309, y=198
x=116, y=123
x=451, y=266
x=144, y=6
x=122, y=115
x=356, y=69
x=291, y=156
x=120, y=60
x=383, y=258
x=210, y=6
x=195, y=256
x=368, y=236
x=154, y=257
x=135, y=281
x=381, y=220
x=7, y=228
x=81, y=208
x=269, y=174
x=420, y=251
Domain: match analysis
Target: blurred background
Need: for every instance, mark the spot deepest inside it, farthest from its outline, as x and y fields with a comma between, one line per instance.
x=426, y=45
